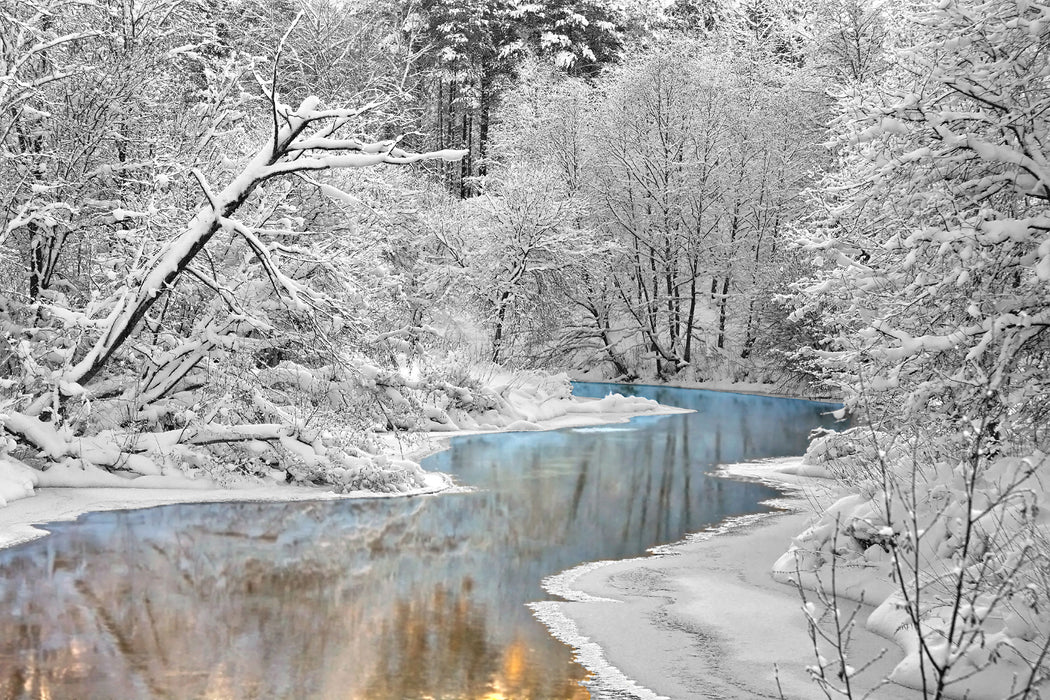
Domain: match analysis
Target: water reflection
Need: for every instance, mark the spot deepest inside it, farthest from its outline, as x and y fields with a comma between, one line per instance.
x=407, y=598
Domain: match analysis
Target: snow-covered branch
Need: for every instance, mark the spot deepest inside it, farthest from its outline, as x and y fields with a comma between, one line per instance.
x=277, y=158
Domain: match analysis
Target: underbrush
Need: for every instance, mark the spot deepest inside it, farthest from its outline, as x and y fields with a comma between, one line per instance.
x=951, y=549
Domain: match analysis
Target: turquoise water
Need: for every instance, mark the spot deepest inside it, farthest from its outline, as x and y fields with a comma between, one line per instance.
x=402, y=598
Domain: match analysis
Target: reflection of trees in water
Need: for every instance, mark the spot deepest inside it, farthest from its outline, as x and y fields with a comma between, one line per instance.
x=392, y=598
x=618, y=492
x=443, y=646
x=153, y=605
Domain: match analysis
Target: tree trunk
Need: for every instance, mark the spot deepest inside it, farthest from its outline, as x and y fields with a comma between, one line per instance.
x=501, y=317
x=466, y=166
x=672, y=307
x=36, y=261
x=749, y=335
x=690, y=320
x=440, y=114
x=485, y=99
x=722, y=313
x=450, y=125
x=189, y=243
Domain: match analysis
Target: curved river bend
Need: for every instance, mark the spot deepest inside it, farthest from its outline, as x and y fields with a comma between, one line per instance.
x=396, y=598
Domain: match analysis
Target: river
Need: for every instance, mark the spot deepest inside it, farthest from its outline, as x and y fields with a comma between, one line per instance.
x=420, y=597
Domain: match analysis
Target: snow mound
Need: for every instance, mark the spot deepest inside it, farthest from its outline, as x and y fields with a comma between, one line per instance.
x=525, y=400
x=523, y=425
x=17, y=480
x=909, y=527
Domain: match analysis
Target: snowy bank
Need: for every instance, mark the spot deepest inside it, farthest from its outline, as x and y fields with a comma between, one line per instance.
x=66, y=493
x=704, y=617
x=719, y=615
x=775, y=389
x=342, y=453
x=953, y=556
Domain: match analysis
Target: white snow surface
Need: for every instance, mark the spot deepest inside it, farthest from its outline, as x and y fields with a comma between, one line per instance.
x=709, y=617
x=704, y=618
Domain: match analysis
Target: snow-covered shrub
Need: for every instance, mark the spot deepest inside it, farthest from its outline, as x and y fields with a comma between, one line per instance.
x=17, y=479
x=855, y=457
x=170, y=299
x=955, y=549
x=931, y=255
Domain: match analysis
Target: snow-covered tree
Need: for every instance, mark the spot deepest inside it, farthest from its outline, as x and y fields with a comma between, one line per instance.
x=166, y=322
x=469, y=54
x=535, y=245
x=939, y=200
x=544, y=126
x=699, y=153
x=934, y=255
x=851, y=39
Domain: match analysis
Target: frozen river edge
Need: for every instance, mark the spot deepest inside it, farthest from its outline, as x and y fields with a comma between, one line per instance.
x=704, y=617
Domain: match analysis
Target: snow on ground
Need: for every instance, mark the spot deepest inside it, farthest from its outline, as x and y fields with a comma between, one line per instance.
x=32, y=497
x=704, y=618
x=997, y=618
x=726, y=385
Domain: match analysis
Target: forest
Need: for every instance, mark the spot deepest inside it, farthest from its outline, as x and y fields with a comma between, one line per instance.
x=249, y=239
x=231, y=231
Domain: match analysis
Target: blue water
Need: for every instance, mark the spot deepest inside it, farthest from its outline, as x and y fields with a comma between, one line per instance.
x=401, y=598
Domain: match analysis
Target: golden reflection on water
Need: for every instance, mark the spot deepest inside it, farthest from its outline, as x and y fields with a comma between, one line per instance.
x=170, y=626
x=442, y=644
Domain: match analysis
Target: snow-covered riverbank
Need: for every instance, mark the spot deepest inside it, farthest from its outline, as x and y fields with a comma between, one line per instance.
x=19, y=518
x=706, y=619
x=724, y=385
